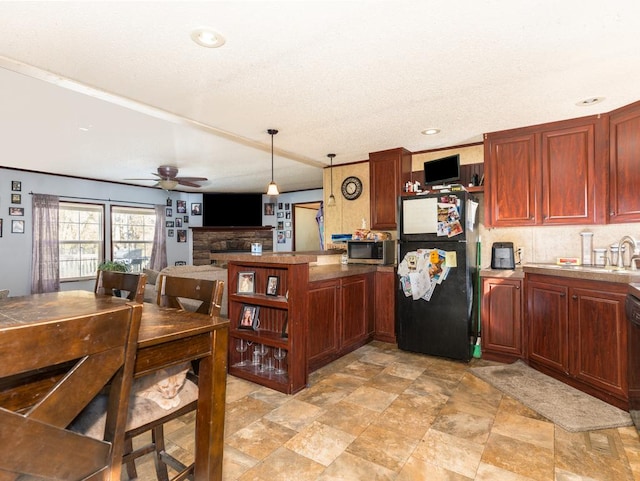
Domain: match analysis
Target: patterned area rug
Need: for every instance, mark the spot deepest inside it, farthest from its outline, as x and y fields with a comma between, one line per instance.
x=566, y=406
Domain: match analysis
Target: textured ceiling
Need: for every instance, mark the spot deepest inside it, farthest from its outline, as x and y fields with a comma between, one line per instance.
x=349, y=77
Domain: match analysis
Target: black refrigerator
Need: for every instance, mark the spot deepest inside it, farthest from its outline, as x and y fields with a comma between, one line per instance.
x=437, y=242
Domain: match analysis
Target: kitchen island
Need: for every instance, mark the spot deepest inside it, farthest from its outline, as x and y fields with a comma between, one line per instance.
x=311, y=310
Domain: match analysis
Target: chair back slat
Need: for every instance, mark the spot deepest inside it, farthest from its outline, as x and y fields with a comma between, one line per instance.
x=107, y=281
x=56, y=369
x=177, y=291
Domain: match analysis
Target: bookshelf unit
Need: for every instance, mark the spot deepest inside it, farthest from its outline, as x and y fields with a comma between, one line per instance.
x=283, y=320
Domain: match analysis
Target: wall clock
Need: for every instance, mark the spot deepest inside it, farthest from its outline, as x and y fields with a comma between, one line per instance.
x=351, y=188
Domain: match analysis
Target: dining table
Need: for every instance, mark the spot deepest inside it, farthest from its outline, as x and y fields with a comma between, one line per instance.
x=166, y=337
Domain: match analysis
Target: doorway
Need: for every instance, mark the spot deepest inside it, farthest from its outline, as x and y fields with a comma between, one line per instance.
x=306, y=235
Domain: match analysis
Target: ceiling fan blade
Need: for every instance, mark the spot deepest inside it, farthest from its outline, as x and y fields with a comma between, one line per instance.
x=192, y=179
x=182, y=181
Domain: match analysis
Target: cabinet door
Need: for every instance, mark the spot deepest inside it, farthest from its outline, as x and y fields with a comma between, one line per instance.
x=547, y=317
x=501, y=328
x=569, y=178
x=510, y=180
x=624, y=162
x=385, y=306
x=355, y=311
x=599, y=342
x=322, y=334
x=388, y=171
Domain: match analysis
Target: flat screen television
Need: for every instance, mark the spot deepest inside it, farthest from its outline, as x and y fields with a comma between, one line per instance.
x=231, y=210
x=440, y=171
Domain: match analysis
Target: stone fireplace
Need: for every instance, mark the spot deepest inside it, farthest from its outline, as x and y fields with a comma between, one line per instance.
x=228, y=239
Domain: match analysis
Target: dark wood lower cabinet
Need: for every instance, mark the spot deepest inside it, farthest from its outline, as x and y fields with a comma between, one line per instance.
x=502, y=330
x=340, y=318
x=577, y=332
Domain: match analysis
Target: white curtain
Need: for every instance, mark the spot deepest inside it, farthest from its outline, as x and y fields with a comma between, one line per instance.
x=45, y=258
x=158, y=260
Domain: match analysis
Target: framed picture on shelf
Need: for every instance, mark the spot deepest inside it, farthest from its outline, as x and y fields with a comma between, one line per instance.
x=272, y=285
x=249, y=317
x=246, y=282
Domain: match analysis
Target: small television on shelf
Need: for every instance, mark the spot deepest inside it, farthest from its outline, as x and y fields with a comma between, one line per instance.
x=442, y=171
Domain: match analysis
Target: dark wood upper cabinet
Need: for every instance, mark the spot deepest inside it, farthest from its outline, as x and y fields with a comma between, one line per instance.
x=624, y=164
x=510, y=179
x=550, y=174
x=389, y=170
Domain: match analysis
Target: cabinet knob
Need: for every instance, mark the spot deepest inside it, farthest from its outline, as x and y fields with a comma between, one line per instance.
x=562, y=294
x=574, y=297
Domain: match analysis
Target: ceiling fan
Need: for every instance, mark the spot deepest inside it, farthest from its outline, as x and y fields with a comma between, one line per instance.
x=167, y=178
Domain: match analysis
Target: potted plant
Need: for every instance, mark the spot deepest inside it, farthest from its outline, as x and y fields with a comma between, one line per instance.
x=114, y=266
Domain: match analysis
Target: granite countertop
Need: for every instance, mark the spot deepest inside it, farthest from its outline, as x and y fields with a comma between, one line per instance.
x=334, y=271
x=592, y=273
x=516, y=273
x=272, y=257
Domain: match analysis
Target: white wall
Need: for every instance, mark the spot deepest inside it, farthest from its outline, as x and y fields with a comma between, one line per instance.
x=15, y=249
x=287, y=198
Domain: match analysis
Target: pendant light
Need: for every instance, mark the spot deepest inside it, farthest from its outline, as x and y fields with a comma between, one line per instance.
x=332, y=198
x=272, y=189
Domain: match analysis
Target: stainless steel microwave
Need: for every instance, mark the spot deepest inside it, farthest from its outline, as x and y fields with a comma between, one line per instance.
x=371, y=252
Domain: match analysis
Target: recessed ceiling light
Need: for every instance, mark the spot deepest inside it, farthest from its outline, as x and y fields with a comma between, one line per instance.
x=207, y=37
x=431, y=131
x=590, y=101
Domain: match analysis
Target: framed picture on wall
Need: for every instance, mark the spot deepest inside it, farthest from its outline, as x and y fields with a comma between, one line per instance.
x=16, y=185
x=0, y=227
x=196, y=209
x=17, y=227
x=181, y=206
x=16, y=198
x=182, y=235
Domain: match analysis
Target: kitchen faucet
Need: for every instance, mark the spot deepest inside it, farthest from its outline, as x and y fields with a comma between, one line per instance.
x=634, y=253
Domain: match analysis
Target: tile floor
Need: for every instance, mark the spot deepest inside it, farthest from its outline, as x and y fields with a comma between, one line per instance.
x=384, y=414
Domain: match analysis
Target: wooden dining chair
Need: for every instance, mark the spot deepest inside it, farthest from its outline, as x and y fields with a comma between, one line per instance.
x=107, y=282
x=55, y=370
x=197, y=295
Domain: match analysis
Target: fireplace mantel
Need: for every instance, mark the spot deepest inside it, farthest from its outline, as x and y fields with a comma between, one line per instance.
x=226, y=239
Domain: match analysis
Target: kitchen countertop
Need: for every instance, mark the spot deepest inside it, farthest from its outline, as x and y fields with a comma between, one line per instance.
x=516, y=273
x=334, y=271
x=591, y=273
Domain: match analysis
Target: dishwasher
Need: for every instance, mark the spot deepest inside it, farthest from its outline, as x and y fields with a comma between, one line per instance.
x=632, y=308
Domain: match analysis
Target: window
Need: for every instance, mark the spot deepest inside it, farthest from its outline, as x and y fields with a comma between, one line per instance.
x=132, y=231
x=81, y=239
